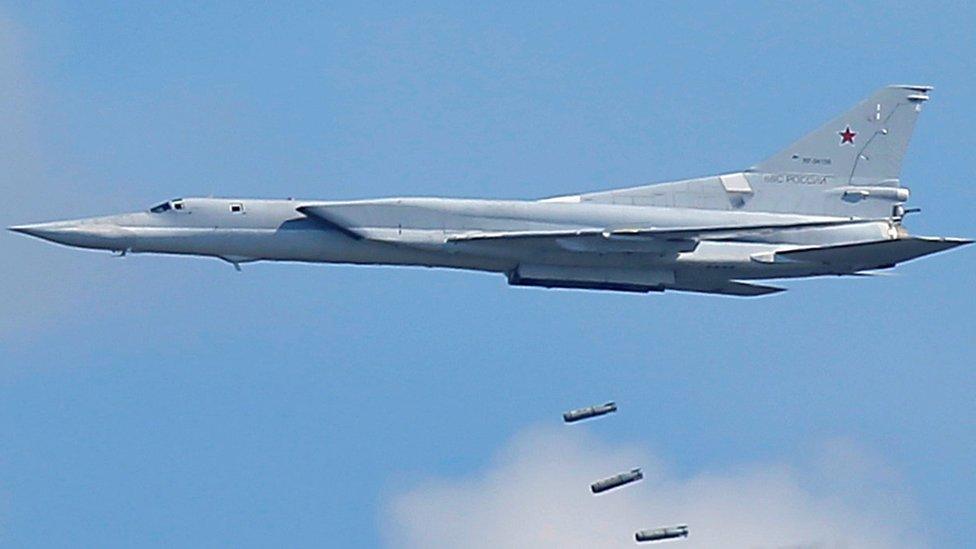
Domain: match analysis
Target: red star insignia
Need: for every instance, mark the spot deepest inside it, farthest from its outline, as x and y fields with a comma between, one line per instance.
x=847, y=136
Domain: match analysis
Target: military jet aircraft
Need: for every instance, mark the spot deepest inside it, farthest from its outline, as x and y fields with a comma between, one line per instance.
x=829, y=204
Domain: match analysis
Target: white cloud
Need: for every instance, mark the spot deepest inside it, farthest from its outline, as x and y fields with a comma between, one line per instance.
x=536, y=494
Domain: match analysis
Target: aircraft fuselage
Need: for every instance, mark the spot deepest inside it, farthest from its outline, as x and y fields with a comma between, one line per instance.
x=831, y=203
x=413, y=231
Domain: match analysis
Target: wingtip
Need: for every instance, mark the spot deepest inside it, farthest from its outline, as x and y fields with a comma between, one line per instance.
x=920, y=88
x=950, y=241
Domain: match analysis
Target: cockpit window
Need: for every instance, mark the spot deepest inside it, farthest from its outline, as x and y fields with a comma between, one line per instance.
x=175, y=204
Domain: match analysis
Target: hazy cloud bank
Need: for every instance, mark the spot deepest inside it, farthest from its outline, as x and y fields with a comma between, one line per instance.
x=535, y=494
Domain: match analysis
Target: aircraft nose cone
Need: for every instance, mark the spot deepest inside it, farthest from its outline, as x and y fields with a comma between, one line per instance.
x=81, y=233
x=47, y=231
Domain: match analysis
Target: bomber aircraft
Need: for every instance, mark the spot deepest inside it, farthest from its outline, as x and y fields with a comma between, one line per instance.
x=829, y=204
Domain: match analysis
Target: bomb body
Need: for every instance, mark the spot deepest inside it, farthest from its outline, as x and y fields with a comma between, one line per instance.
x=658, y=534
x=617, y=480
x=579, y=414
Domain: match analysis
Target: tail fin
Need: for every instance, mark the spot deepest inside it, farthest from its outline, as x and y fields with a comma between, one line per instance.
x=863, y=146
x=849, y=168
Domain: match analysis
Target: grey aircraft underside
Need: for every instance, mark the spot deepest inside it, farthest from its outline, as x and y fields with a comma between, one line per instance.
x=829, y=204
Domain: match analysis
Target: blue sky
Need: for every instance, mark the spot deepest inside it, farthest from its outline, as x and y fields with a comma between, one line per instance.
x=170, y=401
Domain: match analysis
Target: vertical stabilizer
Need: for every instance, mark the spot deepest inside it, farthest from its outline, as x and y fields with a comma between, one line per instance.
x=849, y=167
x=863, y=146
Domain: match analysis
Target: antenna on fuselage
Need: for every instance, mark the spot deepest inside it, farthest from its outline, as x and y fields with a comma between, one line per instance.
x=236, y=264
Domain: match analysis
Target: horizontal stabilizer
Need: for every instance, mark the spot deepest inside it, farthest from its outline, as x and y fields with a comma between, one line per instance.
x=877, y=254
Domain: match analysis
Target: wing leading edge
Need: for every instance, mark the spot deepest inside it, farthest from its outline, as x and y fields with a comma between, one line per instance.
x=321, y=215
x=584, y=239
x=663, y=233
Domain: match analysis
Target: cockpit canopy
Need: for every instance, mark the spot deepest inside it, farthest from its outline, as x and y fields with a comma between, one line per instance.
x=175, y=204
